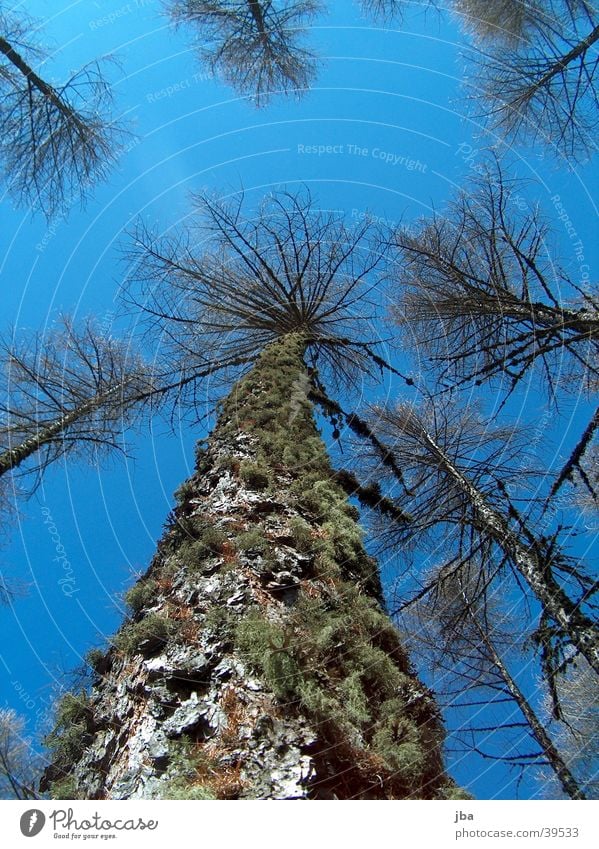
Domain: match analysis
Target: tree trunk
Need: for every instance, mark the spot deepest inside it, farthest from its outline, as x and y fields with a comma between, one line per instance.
x=49, y=433
x=258, y=662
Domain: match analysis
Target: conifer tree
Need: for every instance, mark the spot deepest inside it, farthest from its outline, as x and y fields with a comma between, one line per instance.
x=479, y=288
x=258, y=661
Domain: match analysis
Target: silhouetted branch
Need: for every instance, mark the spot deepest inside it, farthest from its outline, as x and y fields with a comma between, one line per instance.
x=255, y=45
x=291, y=268
x=56, y=140
x=476, y=285
x=535, y=74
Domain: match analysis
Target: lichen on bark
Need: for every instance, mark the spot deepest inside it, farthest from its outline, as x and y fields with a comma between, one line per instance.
x=259, y=661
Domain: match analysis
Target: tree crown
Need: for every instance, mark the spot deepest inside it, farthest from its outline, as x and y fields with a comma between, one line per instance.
x=222, y=291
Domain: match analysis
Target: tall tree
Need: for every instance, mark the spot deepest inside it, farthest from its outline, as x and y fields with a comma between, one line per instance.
x=577, y=730
x=533, y=66
x=463, y=626
x=258, y=660
x=254, y=45
x=450, y=481
x=56, y=140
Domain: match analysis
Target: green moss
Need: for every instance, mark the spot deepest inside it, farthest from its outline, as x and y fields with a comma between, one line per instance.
x=72, y=730
x=264, y=417
x=228, y=463
x=406, y=759
x=302, y=534
x=178, y=790
x=352, y=694
x=362, y=695
x=187, y=527
x=210, y=542
x=298, y=455
x=72, y=708
x=189, y=766
x=279, y=418
x=263, y=645
x=222, y=620
x=169, y=569
x=253, y=539
x=145, y=636
x=397, y=740
x=345, y=536
x=202, y=462
x=291, y=439
x=191, y=554
x=254, y=475
x=304, y=484
x=362, y=681
x=141, y=594
x=96, y=659
x=67, y=744
x=317, y=701
x=185, y=492
x=65, y=788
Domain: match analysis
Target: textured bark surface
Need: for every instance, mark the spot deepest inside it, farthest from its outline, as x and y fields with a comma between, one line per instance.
x=258, y=662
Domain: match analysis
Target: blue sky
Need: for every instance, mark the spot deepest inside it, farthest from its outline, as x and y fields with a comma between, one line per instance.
x=387, y=112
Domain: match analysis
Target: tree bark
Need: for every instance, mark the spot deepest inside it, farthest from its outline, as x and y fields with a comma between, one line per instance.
x=259, y=662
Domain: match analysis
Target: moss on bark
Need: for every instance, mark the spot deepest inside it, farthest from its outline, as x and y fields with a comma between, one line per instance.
x=263, y=565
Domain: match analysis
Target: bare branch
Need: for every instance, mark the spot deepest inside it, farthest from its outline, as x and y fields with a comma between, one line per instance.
x=255, y=45
x=388, y=11
x=486, y=299
x=290, y=268
x=71, y=390
x=535, y=74
x=463, y=627
x=56, y=140
x=453, y=488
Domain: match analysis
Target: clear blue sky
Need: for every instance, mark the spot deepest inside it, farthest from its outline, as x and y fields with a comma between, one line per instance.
x=382, y=100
